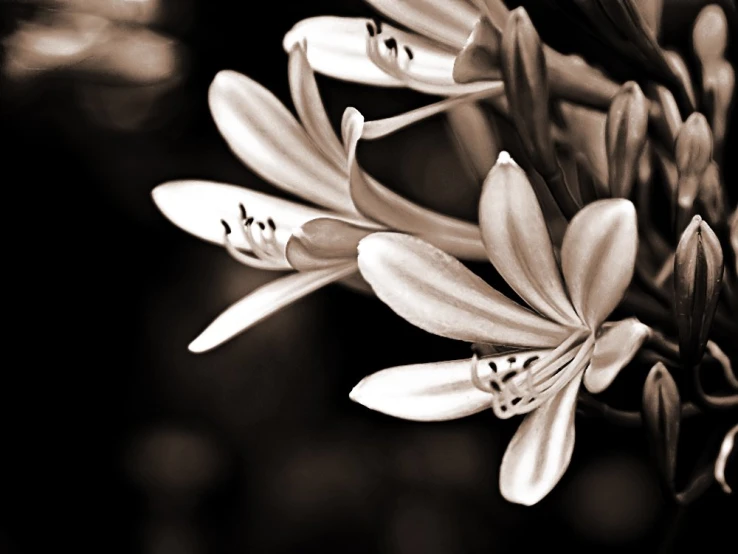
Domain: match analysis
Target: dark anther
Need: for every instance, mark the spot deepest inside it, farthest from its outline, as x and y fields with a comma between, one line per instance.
x=391, y=43
x=378, y=25
x=226, y=226
x=409, y=52
x=271, y=224
x=492, y=366
x=249, y=221
x=261, y=225
x=508, y=376
x=516, y=401
x=495, y=386
x=530, y=361
x=511, y=360
x=243, y=211
x=370, y=28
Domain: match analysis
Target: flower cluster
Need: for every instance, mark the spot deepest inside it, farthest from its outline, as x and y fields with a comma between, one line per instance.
x=603, y=206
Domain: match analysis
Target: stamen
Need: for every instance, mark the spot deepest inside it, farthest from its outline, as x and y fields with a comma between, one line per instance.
x=261, y=240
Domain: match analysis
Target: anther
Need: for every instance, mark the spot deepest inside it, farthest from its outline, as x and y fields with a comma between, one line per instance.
x=226, y=226
x=529, y=361
x=261, y=225
x=409, y=52
x=243, y=211
x=249, y=221
x=391, y=43
x=370, y=28
x=271, y=224
x=378, y=25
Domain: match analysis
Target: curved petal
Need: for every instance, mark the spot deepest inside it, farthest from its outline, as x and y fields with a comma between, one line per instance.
x=310, y=108
x=540, y=451
x=423, y=392
x=267, y=138
x=437, y=293
x=517, y=241
x=265, y=301
x=598, y=256
x=322, y=241
x=338, y=47
x=614, y=350
x=198, y=207
x=377, y=202
x=447, y=21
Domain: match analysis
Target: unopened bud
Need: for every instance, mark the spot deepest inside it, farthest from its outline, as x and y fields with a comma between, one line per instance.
x=625, y=132
x=710, y=34
x=526, y=87
x=698, y=275
x=712, y=196
x=479, y=59
x=693, y=153
x=662, y=416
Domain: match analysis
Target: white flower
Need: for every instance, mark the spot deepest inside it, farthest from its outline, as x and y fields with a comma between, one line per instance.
x=563, y=342
x=306, y=159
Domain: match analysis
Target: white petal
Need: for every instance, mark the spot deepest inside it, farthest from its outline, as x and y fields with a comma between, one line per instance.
x=377, y=202
x=614, y=350
x=199, y=206
x=310, y=108
x=447, y=21
x=265, y=301
x=539, y=453
x=517, y=241
x=337, y=47
x=598, y=257
x=423, y=392
x=267, y=138
x=437, y=293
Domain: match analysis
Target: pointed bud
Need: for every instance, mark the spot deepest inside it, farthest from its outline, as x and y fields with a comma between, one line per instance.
x=625, y=132
x=479, y=60
x=693, y=153
x=698, y=275
x=681, y=71
x=661, y=417
x=526, y=88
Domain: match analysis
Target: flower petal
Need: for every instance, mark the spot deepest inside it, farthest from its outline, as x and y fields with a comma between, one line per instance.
x=265, y=301
x=423, y=392
x=517, y=241
x=614, y=350
x=310, y=108
x=437, y=293
x=598, y=256
x=323, y=241
x=447, y=21
x=540, y=451
x=267, y=138
x=199, y=206
x=377, y=202
x=585, y=131
x=337, y=47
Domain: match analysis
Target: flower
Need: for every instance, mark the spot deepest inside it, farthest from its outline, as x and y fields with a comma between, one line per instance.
x=309, y=160
x=559, y=344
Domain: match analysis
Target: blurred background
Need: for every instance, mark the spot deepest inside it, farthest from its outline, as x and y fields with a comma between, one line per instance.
x=123, y=441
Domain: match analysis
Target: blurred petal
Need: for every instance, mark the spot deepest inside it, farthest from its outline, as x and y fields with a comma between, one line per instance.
x=585, y=131
x=517, y=241
x=142, y=12
x=447, y=21
x=338, y=47
x=309, y=106
x=726, y=449
x=437, y=293
x=614, y=350
x=423, y=392
x=652, y=10
x=323, y=241
x=598, y=256
x=477, y=140
x=479, y=59
x=377, y=202
x=267, y=138
x=199, y=206
x=265, y=301
x=539, y=453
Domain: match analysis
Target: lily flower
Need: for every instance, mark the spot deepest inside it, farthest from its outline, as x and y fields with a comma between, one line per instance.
x=378, y=54
x=306, y=159
x=562, y=341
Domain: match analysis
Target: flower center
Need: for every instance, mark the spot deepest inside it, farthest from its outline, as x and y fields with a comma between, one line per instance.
x=519, y=382
x=266, y=251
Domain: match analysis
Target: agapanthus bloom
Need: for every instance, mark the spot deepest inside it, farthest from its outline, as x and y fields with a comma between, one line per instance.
x=309, y=160
x=562, y=341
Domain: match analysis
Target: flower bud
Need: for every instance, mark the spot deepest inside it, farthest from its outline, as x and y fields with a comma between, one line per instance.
x=661, y=417
x=698, y=274
x=479, y=59
x=693, y=153
x=712, y=196
x=625, y=132
x=526, y=88
x=710, y=34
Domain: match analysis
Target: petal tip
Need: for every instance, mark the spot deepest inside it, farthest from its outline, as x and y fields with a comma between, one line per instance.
x=200, y=345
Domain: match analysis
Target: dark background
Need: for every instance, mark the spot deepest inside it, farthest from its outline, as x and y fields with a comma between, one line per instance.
x=123, y=441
